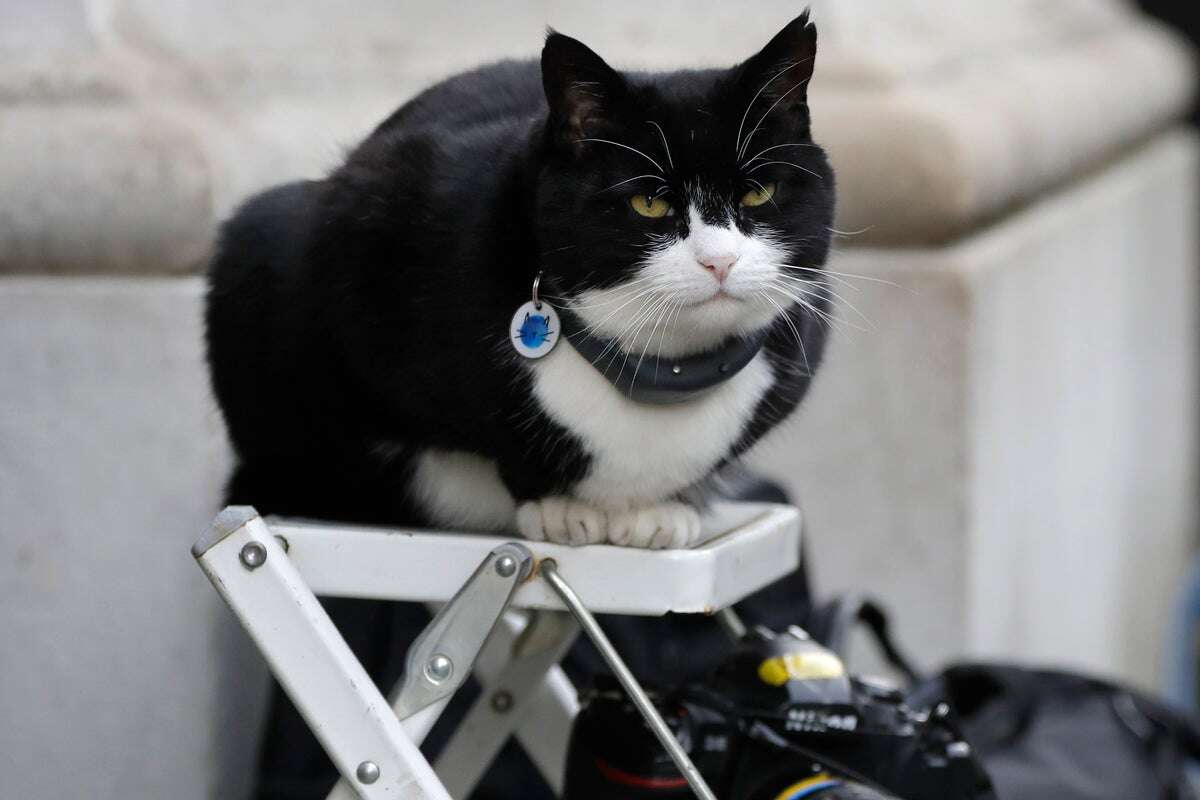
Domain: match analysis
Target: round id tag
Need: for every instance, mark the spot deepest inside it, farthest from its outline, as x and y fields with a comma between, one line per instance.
x=534, y=329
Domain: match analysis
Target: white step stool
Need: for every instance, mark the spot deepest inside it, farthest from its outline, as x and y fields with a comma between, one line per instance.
x=270, y=571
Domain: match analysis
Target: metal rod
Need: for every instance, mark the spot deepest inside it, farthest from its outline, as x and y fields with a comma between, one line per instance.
x=549, y=570
x=732, y=624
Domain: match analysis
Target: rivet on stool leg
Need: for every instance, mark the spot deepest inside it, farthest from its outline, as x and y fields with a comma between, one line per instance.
x=367, y=772
x=253, y=555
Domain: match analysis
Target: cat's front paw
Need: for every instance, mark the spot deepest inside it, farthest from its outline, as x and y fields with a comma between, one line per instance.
x=666, y=525
x=562, y=520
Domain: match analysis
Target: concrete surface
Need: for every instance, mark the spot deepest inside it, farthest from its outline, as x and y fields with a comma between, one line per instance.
x=141, y=124
x=122, y=675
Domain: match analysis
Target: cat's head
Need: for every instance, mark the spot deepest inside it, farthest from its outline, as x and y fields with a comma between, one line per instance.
x=675, y=210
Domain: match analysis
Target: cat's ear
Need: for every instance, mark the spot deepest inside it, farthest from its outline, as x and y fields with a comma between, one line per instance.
x=779, y=73
x=580, y=87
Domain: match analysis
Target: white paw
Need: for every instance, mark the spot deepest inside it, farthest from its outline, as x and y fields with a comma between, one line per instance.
x=667, y=525
x=562, y=520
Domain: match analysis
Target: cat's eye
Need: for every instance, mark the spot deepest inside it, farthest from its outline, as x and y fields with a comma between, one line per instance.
x=760, y=195
x=652, y=207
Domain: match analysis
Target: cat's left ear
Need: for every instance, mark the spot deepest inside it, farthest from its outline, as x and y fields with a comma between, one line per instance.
x=777, y=76
x=580, y=87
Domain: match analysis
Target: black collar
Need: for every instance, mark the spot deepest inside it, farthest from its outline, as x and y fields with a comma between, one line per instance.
x=661, y=381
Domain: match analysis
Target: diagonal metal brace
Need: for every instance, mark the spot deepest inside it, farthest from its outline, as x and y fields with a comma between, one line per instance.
x=653, y=719
x=441, y=658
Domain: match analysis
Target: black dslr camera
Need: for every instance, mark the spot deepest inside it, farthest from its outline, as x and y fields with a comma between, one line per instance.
x=779, y=720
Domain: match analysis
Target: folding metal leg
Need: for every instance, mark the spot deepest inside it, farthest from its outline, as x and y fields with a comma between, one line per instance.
x=314, y=665
x=441, y=658
x=523, y=689
x=545, y=732
x=526, y=693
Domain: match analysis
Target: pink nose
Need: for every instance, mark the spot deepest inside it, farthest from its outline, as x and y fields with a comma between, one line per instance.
x=720, y=266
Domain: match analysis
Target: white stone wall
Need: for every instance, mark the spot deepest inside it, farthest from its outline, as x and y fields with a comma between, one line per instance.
x=1006, y=455
x=143, y=123
x=122, y=674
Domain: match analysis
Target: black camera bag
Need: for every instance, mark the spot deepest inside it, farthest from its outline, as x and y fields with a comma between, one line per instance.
x=1041, y=734
x=1046, y=735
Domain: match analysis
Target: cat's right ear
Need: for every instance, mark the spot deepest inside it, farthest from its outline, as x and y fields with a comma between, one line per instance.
x=580, y=87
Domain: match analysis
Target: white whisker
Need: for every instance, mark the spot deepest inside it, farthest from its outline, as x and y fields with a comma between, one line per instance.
x=627, y=147
x=840, y=299
x=746, y=144
x=825, y=271
x=788, y=163
x=737, y=145
x=822, y=279
x=758, y=155
x=573, y=303
x=800, y=299
x=670, y=324
x=763, y=189
x=850, y=233
x=787, y=318
x=639, y=320
x=662, y=309
x=664, y=141
x=637, y=296
x=831, y=320
x=629, y=180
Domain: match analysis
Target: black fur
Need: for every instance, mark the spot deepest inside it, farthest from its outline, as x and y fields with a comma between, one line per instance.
x=356, y=320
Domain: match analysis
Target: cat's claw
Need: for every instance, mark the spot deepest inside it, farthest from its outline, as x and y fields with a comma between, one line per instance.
x=667, y=525
x=562, y=520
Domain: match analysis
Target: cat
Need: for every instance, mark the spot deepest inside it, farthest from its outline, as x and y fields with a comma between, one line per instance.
x=358, y=327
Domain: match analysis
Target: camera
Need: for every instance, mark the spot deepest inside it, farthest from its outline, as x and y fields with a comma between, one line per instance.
x=780, y=719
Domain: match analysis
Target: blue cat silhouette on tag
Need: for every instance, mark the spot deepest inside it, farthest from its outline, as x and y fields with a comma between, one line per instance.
x=534, y=329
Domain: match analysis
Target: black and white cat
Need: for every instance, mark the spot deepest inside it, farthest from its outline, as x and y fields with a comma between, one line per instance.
x=359, y=326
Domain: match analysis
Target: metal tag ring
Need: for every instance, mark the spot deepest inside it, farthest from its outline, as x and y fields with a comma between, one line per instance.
x=537, y=279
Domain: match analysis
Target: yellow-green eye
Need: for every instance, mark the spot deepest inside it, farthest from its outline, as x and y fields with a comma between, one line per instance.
x=652, y=207
x=758, y=196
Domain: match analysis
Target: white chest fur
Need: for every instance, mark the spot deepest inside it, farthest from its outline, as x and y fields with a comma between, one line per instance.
x=641, y=454
x=644, y=453
x=462, y=490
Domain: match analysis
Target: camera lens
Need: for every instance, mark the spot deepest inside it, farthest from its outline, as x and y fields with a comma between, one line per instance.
x=851, y=791
x=819, y=787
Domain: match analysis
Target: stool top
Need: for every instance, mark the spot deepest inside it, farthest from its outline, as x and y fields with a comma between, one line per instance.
x=744, y=547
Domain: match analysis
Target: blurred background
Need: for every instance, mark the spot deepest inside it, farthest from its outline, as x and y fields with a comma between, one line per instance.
x=1001, y=447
